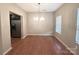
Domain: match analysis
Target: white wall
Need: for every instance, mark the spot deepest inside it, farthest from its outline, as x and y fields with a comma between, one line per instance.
x=40, y=27
x=0, y=37
x=68, y=31
x=5, y=24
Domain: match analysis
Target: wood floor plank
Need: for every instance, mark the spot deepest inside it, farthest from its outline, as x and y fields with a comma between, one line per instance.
x=38, y=45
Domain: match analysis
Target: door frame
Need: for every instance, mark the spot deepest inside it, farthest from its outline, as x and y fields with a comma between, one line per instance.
x=20, y=20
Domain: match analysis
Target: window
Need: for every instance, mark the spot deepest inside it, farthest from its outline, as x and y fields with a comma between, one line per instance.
x=58, y=24
x=77, y=28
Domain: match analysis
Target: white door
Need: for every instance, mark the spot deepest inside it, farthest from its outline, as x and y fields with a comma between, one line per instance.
x=77, y=30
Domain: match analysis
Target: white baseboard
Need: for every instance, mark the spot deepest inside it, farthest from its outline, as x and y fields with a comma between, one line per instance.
x=24, y=36
x=65, y=45
x=7, y=51
x=37, y=35
x=42, y=34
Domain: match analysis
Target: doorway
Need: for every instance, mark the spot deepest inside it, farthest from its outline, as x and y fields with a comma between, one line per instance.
x=15, y=27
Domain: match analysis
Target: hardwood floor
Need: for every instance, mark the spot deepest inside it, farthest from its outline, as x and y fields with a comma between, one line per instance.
x=38, y=45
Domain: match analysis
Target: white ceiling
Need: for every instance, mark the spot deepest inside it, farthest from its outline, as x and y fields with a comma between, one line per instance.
x=43, y=7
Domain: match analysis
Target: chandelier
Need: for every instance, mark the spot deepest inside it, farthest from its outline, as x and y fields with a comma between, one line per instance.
x=39, y=17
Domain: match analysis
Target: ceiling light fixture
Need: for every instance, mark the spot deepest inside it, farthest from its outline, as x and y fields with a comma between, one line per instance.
x=39, y=17
x=38, y=3
x=38, y=11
